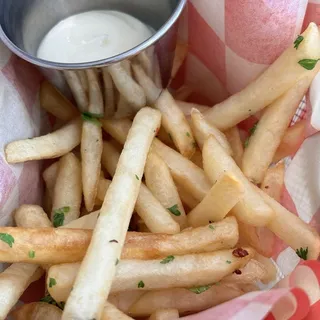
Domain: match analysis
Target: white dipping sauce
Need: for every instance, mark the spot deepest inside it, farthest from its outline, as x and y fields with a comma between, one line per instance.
x=92, y=36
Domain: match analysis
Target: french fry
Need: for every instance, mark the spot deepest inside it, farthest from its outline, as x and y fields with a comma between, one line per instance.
x=151, y=91
x=203, y=130
x=17, y=277
x=29, y=216
x=165, y=314
x=123, y=300
x=85, y=222
x=291, y=229
x=98, y=267
x=50, y=175
x=110, y=312
x=127, y=87
x=222, y=197
x=173, y=119
x=37, y=311
x=103, y=187
x=83, y=80
x=54, y=102
x=67, y=195
x=154, y=215
x=184, y=172
x=91, y=143
x=179, y=57
x=124, y=110
x=164, y=137
x=77, y=89
x=233, y=137
x=271, y=128
x=291, y=141
x=145, y=59
x=269, y=266
x=186, y=197
x=251, y=209
x=184, y=271
x=52, y=145
x=270, y=85
x=157, y=72
x=273, y=181
x=109, y=94
x=159, y=181
x=197, y=158
x=186, y=107
x=184, y=300
x=64, y=245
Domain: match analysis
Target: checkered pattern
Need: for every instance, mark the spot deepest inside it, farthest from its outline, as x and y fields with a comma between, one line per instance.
x=230, y=43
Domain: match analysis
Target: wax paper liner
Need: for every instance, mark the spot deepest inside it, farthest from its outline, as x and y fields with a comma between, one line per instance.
x=230, y=43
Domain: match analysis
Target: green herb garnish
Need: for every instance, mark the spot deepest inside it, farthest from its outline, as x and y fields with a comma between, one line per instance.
x=199, y=290
x=211, y=227
x=32, y=254
x=59, y=215
x=137, y=178
x=298, y=41
x=141, y=284
x=228, y=262
x=52, y=282
x=117, y=262
x=308, y=64
x=92, y=117
x=7, y=238
x=175, y=211
x=167, y=260
x=188, y=134
x=302, y=253
x=50, y=300
x=251, y=132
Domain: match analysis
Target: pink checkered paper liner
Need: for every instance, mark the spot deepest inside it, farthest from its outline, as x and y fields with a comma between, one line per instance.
x=230, y=43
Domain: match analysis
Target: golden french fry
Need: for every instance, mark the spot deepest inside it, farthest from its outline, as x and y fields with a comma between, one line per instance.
x=85, y=222
x=123, y=300
x=291, y=141
x=98, y=267
x=184, y=300
x=54, y=102
x=270, y=85
x=233, y=137
x=184, y=172
x=67, y=195
x=165, y=314
x=270, y=130
x=291, y=229
x=145, y=59
x=29, y=216
x=251, y=209
x=218, y=202
x=159, y=181
x=37, y=311
x=273, y=181
x=180, y=272
x=52, y=145
x=77, y=89
x=151, y=91
x=64, y=245
x=91, y=143
x=103, y=187
x=127, y=87
x=109, y=94
x=154, y=215
x=179, y=57
x=203, y=130
x=110, y=312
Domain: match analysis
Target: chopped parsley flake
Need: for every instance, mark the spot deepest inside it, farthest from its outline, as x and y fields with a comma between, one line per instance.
x=308, y=64
x=211, y=227
x=201, y=289
x=7, y=238
x=92, y=117
x=141, y=284
x=298, y=41
x=167, y=260
x=59, y=215
x=175, y=211
x=32, y=254
x=52, y=282
x=302, y=253
x=228, y=262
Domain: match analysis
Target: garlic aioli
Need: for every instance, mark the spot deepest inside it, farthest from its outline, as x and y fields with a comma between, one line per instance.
x=92, y=36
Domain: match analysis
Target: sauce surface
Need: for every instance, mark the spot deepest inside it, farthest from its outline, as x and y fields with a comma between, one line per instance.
x=92, y=36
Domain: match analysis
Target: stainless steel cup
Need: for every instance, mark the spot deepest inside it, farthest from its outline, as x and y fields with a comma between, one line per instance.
x=24, y=23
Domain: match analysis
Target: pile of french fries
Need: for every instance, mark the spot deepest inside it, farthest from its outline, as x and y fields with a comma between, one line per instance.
x=166, y=215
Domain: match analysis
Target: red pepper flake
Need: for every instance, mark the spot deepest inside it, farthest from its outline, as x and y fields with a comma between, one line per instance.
x=240, y=253
x=266, y=187
x=237, y=271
